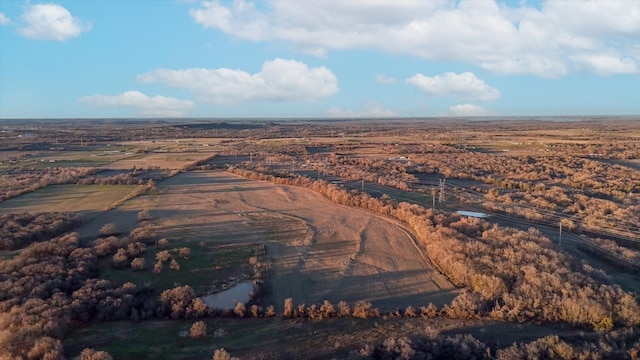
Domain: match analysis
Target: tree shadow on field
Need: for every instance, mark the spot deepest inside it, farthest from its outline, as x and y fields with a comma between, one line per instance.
x=309, y=287
x=125, y=221
x=184, y=190
x=395, y=290
x=192, y=178
x=499, y=335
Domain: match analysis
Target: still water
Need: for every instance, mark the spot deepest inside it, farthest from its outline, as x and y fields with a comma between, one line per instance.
x=228, y=299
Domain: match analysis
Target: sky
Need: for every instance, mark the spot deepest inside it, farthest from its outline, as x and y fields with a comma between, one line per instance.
x=318, y=58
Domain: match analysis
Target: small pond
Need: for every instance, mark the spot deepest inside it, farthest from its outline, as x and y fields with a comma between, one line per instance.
x=228, y=299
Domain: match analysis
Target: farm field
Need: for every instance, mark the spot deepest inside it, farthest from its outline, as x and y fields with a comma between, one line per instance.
x=319, y=252
x=254, y=338
x=67, y=198
x=164, y=160
x=345, y=237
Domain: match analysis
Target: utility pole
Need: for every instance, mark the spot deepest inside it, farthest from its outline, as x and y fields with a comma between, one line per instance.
x=560, y=237
x=433, y=198
x=363, y=185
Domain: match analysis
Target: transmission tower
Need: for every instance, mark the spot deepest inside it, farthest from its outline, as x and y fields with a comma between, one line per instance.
x=441, y=197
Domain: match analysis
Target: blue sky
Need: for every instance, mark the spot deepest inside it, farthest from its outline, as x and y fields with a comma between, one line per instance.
x=318, y=58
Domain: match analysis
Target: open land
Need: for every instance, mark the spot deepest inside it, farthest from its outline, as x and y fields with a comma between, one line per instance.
x=344, y=213
x=319, y=252
x=67, y=198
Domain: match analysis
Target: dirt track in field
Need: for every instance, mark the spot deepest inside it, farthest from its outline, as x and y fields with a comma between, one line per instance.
x=319, y=250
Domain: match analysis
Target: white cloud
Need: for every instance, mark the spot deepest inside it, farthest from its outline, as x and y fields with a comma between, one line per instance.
x=384, y=79
x=278, y=80
x=144, y=105
x=371, y=110
x=51, y=22
x=4, y=19
x=242, y=19
x=465, y=86
x=605, y=64
x=506, y=38
x=469, y=110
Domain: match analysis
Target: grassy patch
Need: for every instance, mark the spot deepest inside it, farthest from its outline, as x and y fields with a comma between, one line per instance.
x=209, y=266
x=67, y=198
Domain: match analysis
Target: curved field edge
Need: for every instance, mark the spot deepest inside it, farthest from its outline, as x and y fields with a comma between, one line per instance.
x=510, y=274
x=318, y=250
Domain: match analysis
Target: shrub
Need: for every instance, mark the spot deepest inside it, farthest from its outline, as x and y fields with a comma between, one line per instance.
x=288, y=307
x=119, y=260
x=198, y=330
x=137, y=263
x=343, y=309
x=184, y=253
x=91, y=354
x=271, y=311
x=108, y=229
x=410, y=312
x=327, y=309
x=163, y=256
x=429, y=312
x=222, y=354
x=174, y=265
x=604, y=325
x=157, y=267
x=255, y=310
x=240, y=309
x=300, y=311
x=363, y=310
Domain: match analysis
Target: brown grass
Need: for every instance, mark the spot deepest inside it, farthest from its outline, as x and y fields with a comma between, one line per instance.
x=66, y=198
x=319, y=250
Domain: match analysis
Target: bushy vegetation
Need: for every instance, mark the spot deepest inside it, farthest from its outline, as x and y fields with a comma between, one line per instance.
x=431, y=345
x=54, y=284
x=21, y=229
x=510, y=274
x=19, y=181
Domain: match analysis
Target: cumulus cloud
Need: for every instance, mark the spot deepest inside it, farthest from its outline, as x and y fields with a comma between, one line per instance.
x=4, y=19
x=51, y=22
x=278, y=80
x=465, y=86
x=605, y=64
x=371, y=110
x=384, y=79
x=469, y=110
x=143, y=104
x=548, y=41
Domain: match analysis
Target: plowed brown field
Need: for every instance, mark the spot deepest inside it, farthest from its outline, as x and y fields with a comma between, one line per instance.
x=319, y=250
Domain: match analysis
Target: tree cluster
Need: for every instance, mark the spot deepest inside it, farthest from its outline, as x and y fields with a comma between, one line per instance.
x=510, y=274
x=14, y=182
x=431, y=345
x=18, y=230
